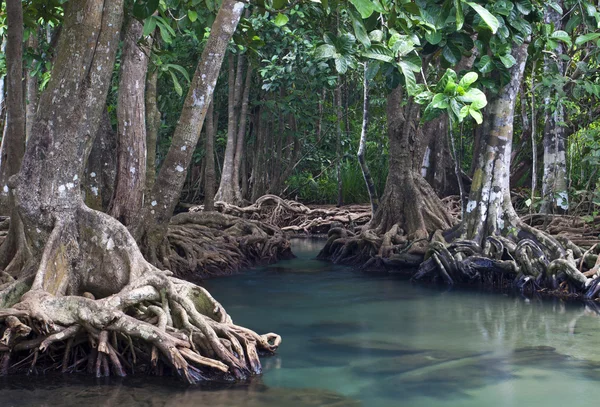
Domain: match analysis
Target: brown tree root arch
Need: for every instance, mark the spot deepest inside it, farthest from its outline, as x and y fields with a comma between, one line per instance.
x=527, y=259
x=296, y=218
x=93, y=302
x=204, y=244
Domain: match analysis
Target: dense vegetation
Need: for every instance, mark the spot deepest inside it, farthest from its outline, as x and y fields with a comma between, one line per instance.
x=119, y=114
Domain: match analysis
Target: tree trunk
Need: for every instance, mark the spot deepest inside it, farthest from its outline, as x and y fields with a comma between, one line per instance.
x=101, y=169
x=259, y=169
x=32, y=88
x=489, y=210
x=436, y=166
x=131, y=128
x=13, y=142
x=555, y=197
x=338, y=145
x=227, y=187
x=363, y=147
x=408, y=200
x=2, y=96
x=85, y=280
x=159, y=206
x=209, y=172
x=241, y=135
x=152, y=128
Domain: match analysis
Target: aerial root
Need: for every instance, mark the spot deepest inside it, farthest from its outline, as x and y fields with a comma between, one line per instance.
x=371, y=251
x=156, y=324
x=529, y=260
x=207, y=244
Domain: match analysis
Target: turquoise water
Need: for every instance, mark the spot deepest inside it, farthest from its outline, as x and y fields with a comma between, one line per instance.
x=350, y=339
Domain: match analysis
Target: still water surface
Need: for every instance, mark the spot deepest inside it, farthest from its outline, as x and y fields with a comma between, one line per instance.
x=356, y=340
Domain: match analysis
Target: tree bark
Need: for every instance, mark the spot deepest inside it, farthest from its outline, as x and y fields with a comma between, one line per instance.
x=101, y=169
x=13, y=142
x=228, y=187
x=259, y=167
x=408, y=200
x=363, y=147
x=32, y=89
x=159, y=206
x=241, y=136
x=152, y=128
x=338, y=146
x=131, y=128
x=555, y=196
x=209, y=172
x=489, y=210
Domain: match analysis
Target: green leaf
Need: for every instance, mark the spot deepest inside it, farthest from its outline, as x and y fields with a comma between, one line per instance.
x=325, y=51
x=409, y=77
x=149, y=26
x=180, y=69
x=556, y=7
x=464, y=112
x=372, y=69
x=364, y=7
x=452, y=53
x=142, y=9
x=475, y=97
x=423, y=97
x=485, y=64
x=279, y=4
x=449, y=76
x=176, y=84
x=281, y=20
x=582, y=39
x=476, y=114
x=376, y=36
x=508, y=60
x=433, y=38
x=359, y=29
x=561, y=36
x=380, y=53
x=460, y=17
x=341, y=64
x=431, y=113
x=468, y=79
x=192, y=15
x=439, y=101
x=524, y=6
x=486, y=16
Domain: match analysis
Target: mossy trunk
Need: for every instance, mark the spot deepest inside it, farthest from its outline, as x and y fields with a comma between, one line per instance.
x=489, y=210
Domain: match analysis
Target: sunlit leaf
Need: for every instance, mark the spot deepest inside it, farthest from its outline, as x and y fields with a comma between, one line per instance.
x=486, y=16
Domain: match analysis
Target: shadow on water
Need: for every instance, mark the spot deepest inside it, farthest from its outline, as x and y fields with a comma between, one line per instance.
x=351, y=339
x=73, y=390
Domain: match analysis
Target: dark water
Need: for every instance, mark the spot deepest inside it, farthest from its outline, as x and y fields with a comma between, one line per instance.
x=351, y=339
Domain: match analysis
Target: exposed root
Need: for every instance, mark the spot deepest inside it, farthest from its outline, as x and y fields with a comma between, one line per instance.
x=96, y=305
x=528, y=259
x=581, y=231
x=194, y=342
x=210, y=243
x=296, y=218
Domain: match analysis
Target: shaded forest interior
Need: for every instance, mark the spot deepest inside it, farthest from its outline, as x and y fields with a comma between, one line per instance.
x=147, y=145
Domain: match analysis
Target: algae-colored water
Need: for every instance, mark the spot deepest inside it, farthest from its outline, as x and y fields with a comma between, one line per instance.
x=350, y=339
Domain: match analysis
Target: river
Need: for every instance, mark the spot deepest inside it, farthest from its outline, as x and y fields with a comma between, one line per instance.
x=351, y=339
